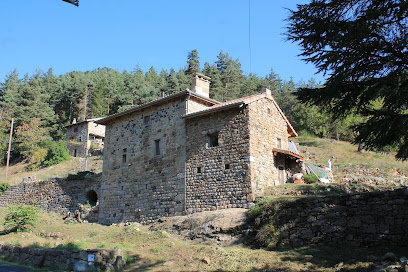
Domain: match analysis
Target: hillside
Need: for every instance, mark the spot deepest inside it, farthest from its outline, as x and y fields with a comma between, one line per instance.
x=167, y=246
x=157, y=250
x=18, y=171
x=347, y=161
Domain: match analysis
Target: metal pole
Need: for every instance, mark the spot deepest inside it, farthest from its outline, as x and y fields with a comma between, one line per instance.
x=9, y=147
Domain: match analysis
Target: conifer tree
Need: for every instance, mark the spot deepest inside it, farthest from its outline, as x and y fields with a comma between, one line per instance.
x=183, y=80
x=231, y=75
x=216, y=87
x=193, y=63
x=362, y=45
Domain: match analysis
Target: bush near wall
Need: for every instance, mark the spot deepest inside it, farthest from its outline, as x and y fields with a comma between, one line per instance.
x=56, y=153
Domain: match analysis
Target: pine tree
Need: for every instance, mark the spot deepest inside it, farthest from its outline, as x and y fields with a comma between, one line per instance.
x=152, y=78
x=193, y=63
x=231, y=75
x=9, y=92
x=184, y=81
x=362, y=45
x=216, y=87
x=173, y=85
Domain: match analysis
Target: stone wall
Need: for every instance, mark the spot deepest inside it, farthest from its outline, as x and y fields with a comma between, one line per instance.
x=139, y=185
x=267, y=127
x=63, y=259
x=367, y=219
x=78, y=138
x=196, y=104
x=218, y=177
x=60, y=195
x=95, y=134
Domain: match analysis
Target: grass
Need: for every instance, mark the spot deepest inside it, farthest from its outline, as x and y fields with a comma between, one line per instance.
x=345, y=156
x=160, y=251
x=18, y=171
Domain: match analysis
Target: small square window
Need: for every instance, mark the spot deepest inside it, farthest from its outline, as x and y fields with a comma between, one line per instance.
x=213, y=139
x=279, y=142
x=124, y=159
x=269, y=111
x=76, y=129
x=198, y=170
x=146, y=119
x=227, y=166
x=157, y=145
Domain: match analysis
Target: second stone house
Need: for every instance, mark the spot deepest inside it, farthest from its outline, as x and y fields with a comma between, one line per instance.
x=84, y=137
x=187, y=153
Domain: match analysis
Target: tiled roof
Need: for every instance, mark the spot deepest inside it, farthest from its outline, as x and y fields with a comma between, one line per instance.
x=86, y=121
x=237, y=103
x=227, y=105
x=112, y=117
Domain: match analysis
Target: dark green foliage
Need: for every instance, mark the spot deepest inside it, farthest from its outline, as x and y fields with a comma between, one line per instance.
x=3, y=187
x=311, y=178
x=231, y=76
x=43, y=104
x=193, y=63
x=57, y=153
x=265, y=216
x=20, y=217
x=70, y=246
x=363, y=47
x=80, y=175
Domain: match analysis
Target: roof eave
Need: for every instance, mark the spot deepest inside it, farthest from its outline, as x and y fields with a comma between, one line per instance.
x=212, y=110
x=112, y=117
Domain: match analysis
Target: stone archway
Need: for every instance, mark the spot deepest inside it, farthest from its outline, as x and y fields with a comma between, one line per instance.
x=92, y=197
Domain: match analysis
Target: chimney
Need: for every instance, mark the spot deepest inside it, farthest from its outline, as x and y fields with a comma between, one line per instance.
x=201, y=84
x=267, y=92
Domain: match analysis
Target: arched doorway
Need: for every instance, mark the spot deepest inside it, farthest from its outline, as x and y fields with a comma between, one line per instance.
x=92, y=197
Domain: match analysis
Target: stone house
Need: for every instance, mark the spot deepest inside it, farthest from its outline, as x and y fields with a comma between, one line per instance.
x=187, y=153
x=84, y=136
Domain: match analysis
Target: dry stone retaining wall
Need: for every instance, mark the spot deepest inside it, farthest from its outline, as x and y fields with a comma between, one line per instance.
x=63, y=259
x=60, y=195
x=368, y=219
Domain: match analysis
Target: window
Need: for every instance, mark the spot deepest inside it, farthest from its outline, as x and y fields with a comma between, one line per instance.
x=75, y=152
x=124, y=155
x=279, y=143
x=146, y=119
x=227, y=166
x=213, y=139
x=198, y=170
x=157, y=145
x=76, y=129
x=80, y=138
x=269, y=111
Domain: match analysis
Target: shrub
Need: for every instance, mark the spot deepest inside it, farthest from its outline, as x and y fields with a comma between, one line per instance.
x=38, y=156
x=311, y=178
x=80, y=175
x=56, y=153
x=21, y=217
x=94, y=146
x=3, y=187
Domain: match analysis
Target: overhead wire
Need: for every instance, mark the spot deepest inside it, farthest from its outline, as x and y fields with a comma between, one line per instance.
x=249, y=34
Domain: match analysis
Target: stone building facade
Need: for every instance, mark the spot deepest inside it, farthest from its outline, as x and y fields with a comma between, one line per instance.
x=84, y=136
x=186, y=153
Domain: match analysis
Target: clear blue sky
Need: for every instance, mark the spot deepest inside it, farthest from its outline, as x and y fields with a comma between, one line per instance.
x=39, y=34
